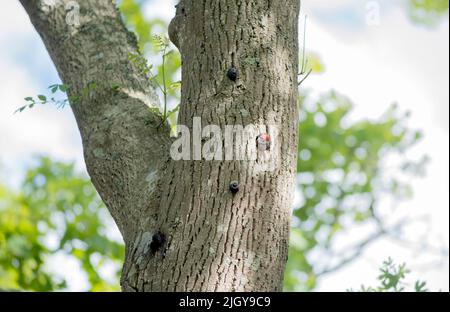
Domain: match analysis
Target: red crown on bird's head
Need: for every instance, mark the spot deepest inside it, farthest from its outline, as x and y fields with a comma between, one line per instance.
x=263, y=142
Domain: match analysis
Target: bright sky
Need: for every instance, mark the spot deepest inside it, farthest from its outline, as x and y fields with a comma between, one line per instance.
x=375, y=66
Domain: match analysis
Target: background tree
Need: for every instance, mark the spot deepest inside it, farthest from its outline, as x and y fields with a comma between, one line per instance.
x=57, y=212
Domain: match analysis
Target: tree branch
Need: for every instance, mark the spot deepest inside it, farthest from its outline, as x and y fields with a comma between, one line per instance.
x=123, y=147
x=360, y=247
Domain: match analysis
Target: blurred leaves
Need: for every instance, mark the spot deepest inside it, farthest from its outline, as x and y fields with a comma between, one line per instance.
x=392, y=279
x=150, y=34
x=143, y=27
x=427, y=12
x=341, y=178
x=315, y=63
x=57, y=211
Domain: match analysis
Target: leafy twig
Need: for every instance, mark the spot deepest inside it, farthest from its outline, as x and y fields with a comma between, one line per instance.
x=42, y=99
x=392, y=278
x=303, y=71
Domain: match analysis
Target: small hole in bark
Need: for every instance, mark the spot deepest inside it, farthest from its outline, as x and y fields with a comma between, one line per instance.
x=233, y=74
x=234, y=187
x=158, y=239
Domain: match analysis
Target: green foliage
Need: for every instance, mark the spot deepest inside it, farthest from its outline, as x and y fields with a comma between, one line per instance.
x=392, y=279
x=57, y=211
x=143, y=27
x=315, y=63
x=58, y=102
x=42, y=99
x=341, y=178
x=22, y=254
x=155, y=45
x=162, y=44
x=427, y=12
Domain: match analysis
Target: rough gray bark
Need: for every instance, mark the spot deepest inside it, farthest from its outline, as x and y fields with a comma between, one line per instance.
x=216, y=241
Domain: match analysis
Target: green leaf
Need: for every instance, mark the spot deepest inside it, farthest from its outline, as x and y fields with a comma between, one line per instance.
x=21, y=109
x=63, y=88
x=420, y=286
x=175, y=85
x=173, y=111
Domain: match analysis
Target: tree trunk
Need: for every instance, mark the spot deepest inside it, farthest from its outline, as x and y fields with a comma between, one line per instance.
x=184, y=230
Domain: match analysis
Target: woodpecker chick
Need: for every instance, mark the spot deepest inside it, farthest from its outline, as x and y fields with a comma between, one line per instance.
x=264, y=142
